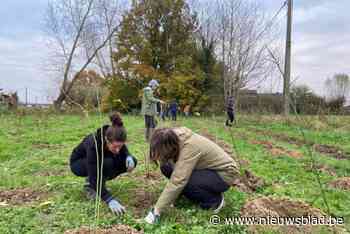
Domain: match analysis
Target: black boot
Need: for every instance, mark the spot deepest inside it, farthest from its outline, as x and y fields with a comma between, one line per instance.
x=89, y=192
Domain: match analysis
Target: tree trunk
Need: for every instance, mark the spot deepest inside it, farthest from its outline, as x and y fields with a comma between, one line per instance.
x=59, y=101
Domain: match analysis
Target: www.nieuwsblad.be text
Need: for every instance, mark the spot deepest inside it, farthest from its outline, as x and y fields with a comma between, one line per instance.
x=270, y=220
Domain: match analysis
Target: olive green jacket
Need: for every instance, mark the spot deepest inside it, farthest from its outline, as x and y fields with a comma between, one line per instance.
x=196, y=153
x=149, y=102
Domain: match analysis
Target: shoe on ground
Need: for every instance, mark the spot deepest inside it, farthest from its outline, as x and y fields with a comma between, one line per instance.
x=220, y=206
x=89, y=192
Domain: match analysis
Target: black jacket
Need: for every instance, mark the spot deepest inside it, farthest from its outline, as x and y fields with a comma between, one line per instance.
x=87, y=149
x=230, y=105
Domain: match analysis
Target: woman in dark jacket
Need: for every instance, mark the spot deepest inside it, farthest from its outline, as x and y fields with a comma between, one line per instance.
x=106, y=145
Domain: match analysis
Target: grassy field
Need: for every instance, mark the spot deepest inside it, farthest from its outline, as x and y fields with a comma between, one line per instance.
x=39, y=194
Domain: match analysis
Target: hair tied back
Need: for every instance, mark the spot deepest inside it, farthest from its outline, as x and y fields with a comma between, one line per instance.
x=116, y=119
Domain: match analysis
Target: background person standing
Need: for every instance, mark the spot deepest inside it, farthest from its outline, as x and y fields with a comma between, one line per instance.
x=173, y=110
x=149, y=107
x=230, y=111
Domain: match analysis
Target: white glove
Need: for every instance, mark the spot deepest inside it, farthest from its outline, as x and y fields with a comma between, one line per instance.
x=152, y=218
x=116, y=207
x=130, y=164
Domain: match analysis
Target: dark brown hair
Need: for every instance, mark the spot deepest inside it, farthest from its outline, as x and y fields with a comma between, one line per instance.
x=116, y=132
x=164, y=145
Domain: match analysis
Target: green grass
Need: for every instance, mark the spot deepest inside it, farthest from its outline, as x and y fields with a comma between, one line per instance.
x=35, y=150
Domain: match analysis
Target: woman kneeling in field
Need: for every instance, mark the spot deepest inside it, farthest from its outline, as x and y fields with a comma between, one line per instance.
x=107, y=144
x=197, y=168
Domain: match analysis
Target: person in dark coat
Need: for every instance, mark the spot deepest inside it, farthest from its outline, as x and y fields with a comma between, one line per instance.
x=173, y=110
x=106, y=145
x=230, y=111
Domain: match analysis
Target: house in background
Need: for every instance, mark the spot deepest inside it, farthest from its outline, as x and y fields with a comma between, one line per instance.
x=8, y=100
x=252, y=101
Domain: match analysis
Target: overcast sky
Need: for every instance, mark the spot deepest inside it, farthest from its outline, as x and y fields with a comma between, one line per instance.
x=320, y=44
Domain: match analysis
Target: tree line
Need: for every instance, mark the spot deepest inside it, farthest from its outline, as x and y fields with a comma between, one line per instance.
x=201, y=52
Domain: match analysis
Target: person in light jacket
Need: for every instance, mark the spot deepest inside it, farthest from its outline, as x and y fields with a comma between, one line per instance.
x=196, y=167
x=149, y=108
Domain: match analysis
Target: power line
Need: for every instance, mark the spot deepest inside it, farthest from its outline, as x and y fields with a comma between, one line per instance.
x=272, y=20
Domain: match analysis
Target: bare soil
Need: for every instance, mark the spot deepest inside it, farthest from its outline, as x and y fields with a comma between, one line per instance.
x=142, y=197
x=143, y=200
x=277, y=150
x=52, y=172
x=152, y=178
x=332, y=151
x=116, y=229
x=322, y=168
x=248, y=182
x=20, y=196
x=341, y=183
x=45, y=145
x=243, y=162
x=276, y=207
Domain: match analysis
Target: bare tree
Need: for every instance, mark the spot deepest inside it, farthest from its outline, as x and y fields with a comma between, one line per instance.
x=69, y=24
x=338, y=86
x=242, y=35
x=107, y=15
x=276, y=58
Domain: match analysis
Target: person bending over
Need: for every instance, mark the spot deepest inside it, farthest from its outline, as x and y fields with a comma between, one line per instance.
x=196, y=167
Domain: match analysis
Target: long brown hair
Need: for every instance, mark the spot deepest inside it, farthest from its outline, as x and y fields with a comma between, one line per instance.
x=116, y=132
x=164, y=145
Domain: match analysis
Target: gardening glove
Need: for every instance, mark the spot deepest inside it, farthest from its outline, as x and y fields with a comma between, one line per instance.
x=116, y=207
x=152, y=218
x=130, y=163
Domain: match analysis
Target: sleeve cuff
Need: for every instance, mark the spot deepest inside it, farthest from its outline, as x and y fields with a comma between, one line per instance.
x=108, y=199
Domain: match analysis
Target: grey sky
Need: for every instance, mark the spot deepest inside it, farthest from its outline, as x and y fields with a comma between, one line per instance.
x=320, y=45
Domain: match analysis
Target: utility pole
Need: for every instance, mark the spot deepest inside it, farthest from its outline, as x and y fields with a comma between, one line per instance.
x=26, y=96
x=287, y=64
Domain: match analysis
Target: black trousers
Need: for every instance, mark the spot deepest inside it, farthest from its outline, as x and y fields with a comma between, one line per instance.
x=204, y=186
x=150, y=122
x=230, y=118
x=110, y=169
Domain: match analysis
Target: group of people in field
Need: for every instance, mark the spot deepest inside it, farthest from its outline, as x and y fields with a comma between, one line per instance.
x=195, y=167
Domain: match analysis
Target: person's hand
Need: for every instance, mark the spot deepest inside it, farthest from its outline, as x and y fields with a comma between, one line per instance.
x=152, y=217
x=116, y=207
x=130, y=163
x=162, y=102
